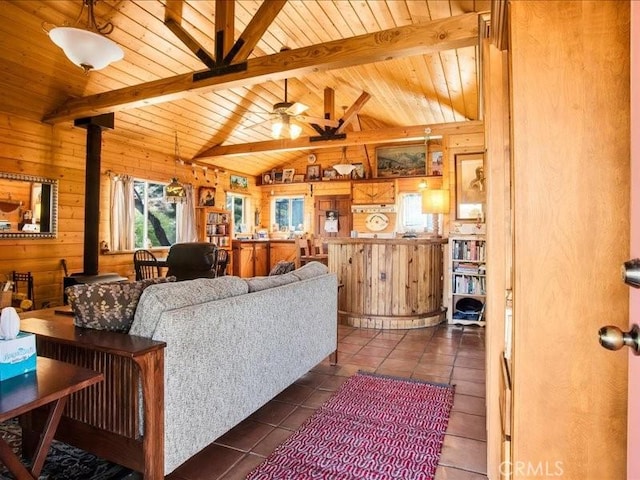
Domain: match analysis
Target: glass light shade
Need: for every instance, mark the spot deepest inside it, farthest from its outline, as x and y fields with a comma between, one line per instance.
x=88, y=50
x=175, y=192
x=281, y=127
x=435, y=201
x=344, y=168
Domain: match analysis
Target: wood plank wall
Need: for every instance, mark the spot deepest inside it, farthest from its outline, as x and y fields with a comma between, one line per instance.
x=31, y=147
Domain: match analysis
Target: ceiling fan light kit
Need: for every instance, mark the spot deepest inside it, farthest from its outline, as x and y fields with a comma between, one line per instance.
x=87, y=47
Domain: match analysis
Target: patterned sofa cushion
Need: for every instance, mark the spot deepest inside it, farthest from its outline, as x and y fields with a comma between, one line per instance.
x=108, y=306
x=282, y=267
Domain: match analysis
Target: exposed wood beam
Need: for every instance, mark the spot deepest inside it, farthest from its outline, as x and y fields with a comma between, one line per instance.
x=225, y=28
x=383, y=135
x=357, y=127
x=253, y=32
x=426, y=38
x=353, y=110
x=329, y=103
x=173, y=21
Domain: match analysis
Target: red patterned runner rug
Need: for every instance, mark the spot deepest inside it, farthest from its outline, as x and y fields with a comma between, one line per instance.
x=372, y=427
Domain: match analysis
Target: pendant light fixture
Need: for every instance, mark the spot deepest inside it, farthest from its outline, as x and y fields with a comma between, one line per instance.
x=175, y=191
x=344, y=167
x=87, y=47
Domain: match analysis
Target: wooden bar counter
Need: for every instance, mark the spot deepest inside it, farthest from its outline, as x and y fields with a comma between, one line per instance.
x=388, y=283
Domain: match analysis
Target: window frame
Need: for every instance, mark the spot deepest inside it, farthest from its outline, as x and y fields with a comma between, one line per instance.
x=146, y=215
x=290, y=198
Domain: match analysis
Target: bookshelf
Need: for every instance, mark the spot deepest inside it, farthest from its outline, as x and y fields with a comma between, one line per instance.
x=467, y=274
x=214, y=225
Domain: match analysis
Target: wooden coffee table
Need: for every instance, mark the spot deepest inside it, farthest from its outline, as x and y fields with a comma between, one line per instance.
x=51, y=383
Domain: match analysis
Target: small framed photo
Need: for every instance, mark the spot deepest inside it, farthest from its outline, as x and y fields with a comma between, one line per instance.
x=207, y=197
x=329, y=174
x=436, y=163
x=298, y=178
x=238, y=182
x=358, y=172
x=313, y=173
x=287, y=175
x=277, y=177
x=267, y=179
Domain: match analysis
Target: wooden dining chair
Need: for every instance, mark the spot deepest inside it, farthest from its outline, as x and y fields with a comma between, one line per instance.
x=319, y=250
x=146, y=265
x=303, y=251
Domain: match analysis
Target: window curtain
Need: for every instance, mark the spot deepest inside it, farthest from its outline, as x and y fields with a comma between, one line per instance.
x=122, y=213
x=186, y=217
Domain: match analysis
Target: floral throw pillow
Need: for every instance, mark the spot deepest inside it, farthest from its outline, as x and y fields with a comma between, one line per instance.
x=108, y=306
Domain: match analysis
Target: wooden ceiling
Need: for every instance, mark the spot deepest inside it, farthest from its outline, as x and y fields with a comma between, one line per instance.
x=422, y=70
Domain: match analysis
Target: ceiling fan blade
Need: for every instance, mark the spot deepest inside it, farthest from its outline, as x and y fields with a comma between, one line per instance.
x=318, y=121
x=296, y=109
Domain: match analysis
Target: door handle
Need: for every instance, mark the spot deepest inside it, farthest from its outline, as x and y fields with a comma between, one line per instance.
x=631, y=272
x=612, y=338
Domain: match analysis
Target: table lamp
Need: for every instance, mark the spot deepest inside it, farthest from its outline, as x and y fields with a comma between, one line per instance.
x=435, y=202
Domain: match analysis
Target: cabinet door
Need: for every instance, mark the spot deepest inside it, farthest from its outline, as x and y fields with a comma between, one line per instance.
x=260, y=259
x=281, y=252
x=243, y=261
x=373, y=193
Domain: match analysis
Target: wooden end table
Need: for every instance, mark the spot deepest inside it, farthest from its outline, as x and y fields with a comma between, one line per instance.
x=51, y=383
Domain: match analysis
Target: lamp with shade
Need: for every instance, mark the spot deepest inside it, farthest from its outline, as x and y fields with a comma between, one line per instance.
x=344, y=168
x=88, y=47
x=435, y=202
x=175, y=191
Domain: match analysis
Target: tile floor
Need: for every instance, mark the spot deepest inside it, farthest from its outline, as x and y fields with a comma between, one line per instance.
x=441, y=354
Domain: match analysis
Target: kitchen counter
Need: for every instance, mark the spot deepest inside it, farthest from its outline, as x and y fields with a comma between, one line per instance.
x=393, y=283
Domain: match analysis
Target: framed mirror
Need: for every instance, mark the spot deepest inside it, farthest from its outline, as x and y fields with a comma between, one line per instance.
x=28, y=206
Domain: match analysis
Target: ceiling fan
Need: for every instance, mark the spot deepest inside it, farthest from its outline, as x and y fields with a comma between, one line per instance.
x=286, y=116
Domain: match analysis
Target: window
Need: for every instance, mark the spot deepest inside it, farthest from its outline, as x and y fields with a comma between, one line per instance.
x=288, y=213
x=155, y=219
x=411, y=218
x=239, y=207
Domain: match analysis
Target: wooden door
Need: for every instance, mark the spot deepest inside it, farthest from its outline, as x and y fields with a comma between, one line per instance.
x=571, y=235
x=633, y=442
x=339, y=203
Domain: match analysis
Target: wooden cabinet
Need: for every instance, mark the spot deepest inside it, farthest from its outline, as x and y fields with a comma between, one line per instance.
x=373, y=193
x=467, y=274
x=284, y=250
x=251, y=258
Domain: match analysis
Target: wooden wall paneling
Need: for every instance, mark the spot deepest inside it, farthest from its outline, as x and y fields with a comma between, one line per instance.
x=499, y=241
x=571, y=233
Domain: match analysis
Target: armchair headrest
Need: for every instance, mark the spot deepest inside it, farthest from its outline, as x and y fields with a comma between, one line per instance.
x=192, y=260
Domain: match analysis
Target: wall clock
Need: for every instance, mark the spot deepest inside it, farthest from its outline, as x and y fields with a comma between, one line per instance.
x=376, y=222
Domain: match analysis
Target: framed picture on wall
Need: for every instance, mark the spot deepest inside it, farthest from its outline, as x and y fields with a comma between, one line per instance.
x=287, y=175
x=207, y=197
x=401, y=161
x=238, y=182
x=470, y=186
x=314, y=173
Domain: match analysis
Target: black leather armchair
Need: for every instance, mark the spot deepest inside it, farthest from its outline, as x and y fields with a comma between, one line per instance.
x=187, y=261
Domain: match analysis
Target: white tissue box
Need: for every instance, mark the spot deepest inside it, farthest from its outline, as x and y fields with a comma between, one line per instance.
x=18, y=355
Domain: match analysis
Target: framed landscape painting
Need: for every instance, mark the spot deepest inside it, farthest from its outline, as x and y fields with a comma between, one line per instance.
x=401, y=161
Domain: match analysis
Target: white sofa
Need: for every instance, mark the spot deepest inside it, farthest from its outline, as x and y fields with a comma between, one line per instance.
x=232, y=345
x=201, y=356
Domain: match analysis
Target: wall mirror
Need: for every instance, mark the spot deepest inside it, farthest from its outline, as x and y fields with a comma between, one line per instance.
x=28, y=206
